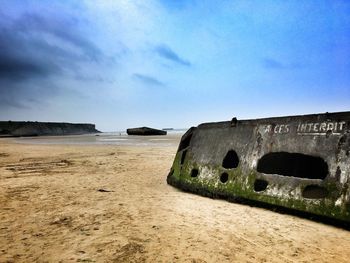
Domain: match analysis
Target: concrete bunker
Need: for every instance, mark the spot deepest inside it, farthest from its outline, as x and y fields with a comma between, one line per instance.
x=294, y=162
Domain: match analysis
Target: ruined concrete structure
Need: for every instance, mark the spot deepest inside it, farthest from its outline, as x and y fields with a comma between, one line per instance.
x=144, y=131
x=298, y=162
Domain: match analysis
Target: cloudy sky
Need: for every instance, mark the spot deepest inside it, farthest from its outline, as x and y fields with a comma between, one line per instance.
x=166, y=63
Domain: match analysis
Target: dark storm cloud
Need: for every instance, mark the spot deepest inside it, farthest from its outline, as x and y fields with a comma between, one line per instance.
x=64, y=28
x=16, y=60
x=34, y=48
x=15, y=68
x=167, y=53
x=148, y=80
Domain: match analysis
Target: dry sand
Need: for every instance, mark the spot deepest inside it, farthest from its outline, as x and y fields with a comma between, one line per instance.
x=51, y=211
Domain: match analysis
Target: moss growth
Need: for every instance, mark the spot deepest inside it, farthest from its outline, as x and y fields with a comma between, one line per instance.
x=240, y=184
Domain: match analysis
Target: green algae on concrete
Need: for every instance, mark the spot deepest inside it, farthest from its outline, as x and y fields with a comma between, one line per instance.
x=319, y=185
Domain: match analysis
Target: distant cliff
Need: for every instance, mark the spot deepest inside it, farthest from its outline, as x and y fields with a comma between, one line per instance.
x=29, y=128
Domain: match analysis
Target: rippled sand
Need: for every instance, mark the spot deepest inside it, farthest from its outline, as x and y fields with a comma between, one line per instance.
x=111, y=203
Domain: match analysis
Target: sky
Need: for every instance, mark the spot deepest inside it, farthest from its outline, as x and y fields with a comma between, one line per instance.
x=165, y=63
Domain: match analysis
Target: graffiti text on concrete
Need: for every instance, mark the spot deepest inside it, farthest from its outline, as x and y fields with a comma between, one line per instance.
x=320, y=128
x=307, y=128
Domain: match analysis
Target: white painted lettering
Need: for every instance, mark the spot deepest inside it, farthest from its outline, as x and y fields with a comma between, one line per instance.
x=303, y=127
x=310, y=126
x=330, y=126
x=323, y=127
x=341, y=125
x=287, y=128
x=281, y=129
x=268, y=128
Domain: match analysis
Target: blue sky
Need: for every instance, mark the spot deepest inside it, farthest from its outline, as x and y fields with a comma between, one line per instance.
x=169, y=63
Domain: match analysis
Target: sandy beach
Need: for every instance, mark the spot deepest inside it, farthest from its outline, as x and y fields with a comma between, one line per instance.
x=111, y=203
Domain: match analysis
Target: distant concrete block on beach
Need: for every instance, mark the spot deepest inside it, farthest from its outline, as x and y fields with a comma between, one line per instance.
x=145, y=131
x=297, y=162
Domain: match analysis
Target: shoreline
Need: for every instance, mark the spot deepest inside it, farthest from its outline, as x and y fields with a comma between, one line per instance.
x=116, y=139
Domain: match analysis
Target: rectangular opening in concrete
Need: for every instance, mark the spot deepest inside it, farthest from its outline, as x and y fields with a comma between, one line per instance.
x=293, y=164
x=186, y=139
x=183, y=156
x=314, y=192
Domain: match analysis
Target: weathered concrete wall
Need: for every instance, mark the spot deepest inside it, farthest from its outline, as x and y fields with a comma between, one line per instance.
x=29, y=128
x=299, y=162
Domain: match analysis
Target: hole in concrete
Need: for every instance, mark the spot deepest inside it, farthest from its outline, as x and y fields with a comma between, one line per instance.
x=293, y=164
x=231, y=160
x=194, y=173
x=260, y=185
x=186, y=139
x=183, y=156
x=224, y=177
x=314, y=192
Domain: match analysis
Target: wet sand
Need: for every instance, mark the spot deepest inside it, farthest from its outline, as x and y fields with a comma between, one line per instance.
x=108, y=203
